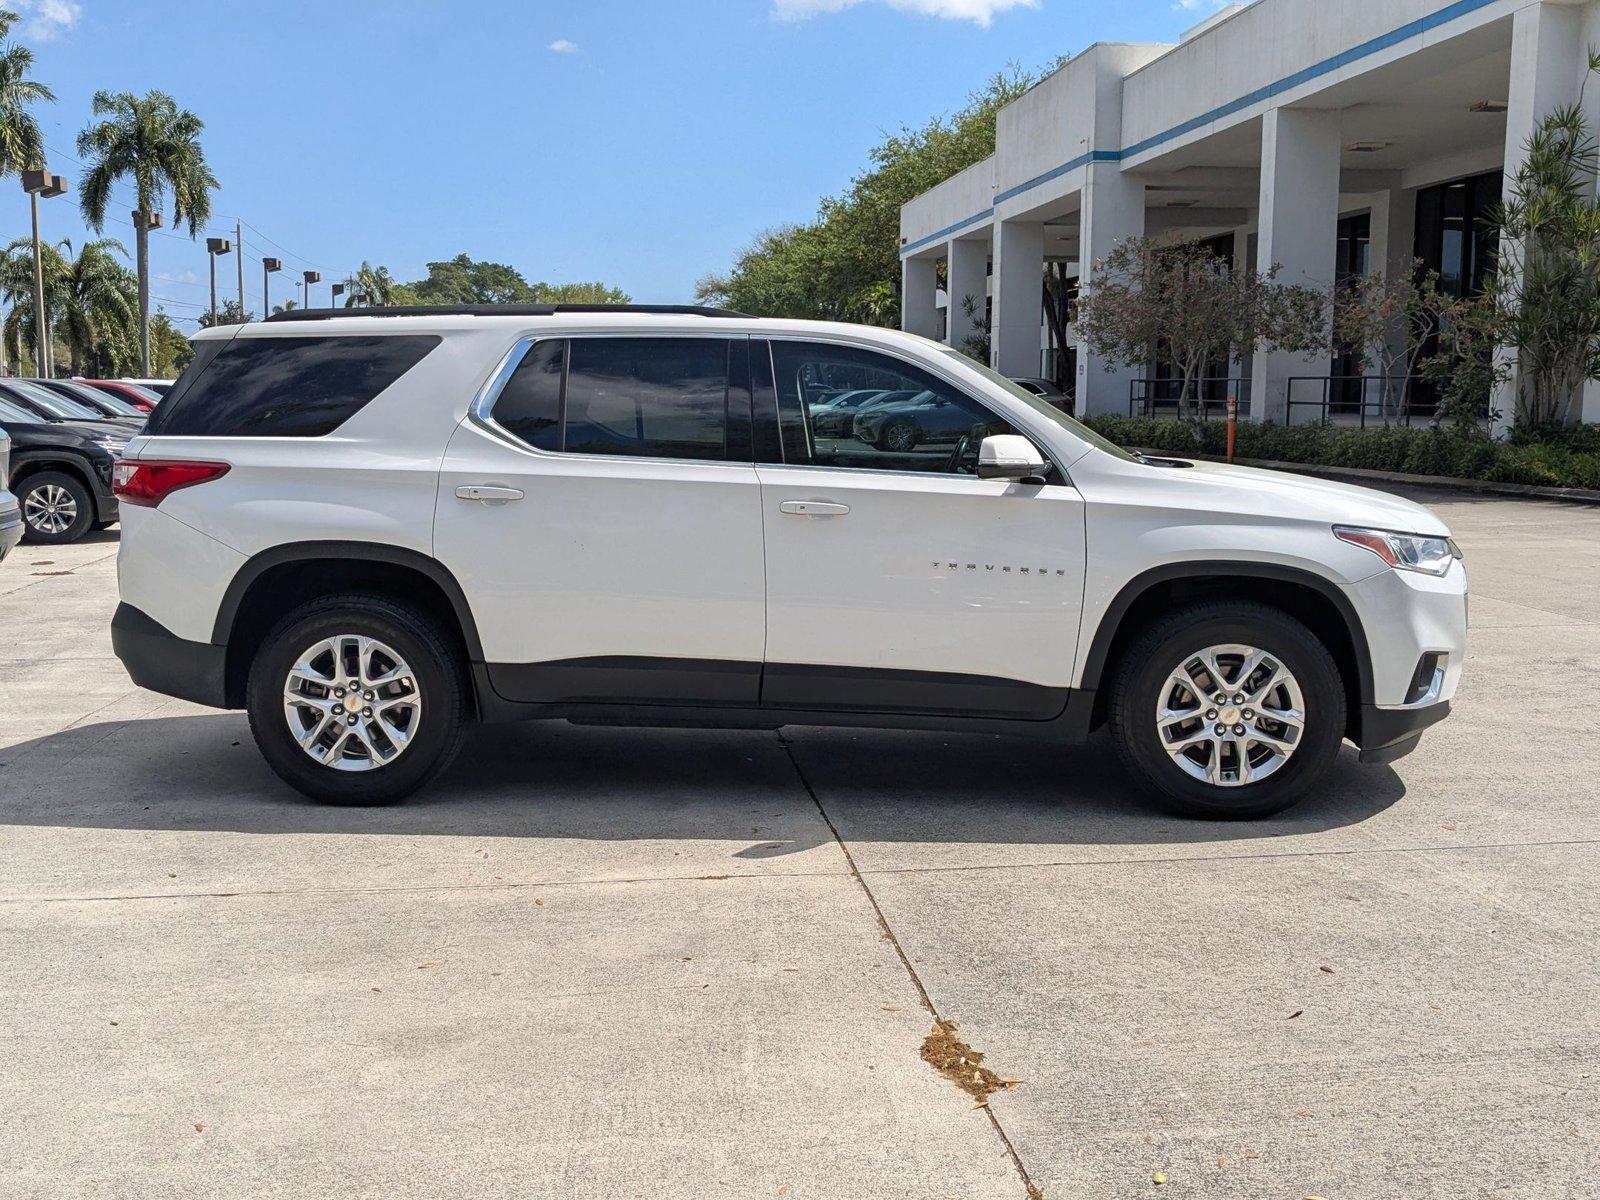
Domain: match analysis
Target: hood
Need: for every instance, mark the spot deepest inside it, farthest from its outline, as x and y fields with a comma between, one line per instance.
x=1282, y=493
x=72, y=434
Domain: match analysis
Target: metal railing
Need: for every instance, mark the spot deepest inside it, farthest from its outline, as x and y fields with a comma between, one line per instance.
x=1163, y=397
x=1358, y=400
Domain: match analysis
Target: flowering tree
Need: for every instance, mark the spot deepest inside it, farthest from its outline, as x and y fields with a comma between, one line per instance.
x=1388, y=321
x=1184, y=303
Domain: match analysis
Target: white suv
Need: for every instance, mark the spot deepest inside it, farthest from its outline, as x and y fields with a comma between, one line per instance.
x=370, y=529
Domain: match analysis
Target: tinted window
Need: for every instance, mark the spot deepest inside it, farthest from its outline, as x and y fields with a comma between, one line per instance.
x=897, y=417
x=287, y=386
x=644, y=397
x=530, y=403
x=10, y=412
x=52, y=404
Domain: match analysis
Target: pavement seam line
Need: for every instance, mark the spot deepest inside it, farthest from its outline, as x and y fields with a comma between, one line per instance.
x=889, y=934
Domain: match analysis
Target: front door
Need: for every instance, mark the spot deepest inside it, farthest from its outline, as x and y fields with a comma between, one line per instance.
x=602, y=514
x=896, y=579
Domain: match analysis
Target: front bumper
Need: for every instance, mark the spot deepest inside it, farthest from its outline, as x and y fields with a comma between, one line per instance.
x=158, y=659
x=1390, y=733
x=10, y=523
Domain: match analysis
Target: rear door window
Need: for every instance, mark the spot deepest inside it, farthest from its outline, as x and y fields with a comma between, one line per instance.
x=634, y=397
x=287, y=386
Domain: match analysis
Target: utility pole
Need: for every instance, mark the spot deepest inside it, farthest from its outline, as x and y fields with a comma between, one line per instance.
x=238, y=240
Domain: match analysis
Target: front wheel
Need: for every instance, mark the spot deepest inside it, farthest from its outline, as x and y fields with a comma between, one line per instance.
x=56, y=508
x=1227, y=710
x=357, y=699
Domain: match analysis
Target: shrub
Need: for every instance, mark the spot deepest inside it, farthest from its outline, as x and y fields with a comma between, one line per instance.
x=1564, y=457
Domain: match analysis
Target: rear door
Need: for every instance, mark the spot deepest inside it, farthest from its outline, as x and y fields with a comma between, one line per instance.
x=602, y=513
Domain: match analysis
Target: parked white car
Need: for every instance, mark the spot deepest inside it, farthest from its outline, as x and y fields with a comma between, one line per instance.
x=371, y=528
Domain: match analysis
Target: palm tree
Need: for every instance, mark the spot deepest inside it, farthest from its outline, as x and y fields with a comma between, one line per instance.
x=21, y=143
x=156, y=144
x=370, y=286
x=91, y=302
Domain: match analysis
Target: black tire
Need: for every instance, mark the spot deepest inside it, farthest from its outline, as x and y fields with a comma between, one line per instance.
x=1143, y=670
x=34, y=488
x=441, y=682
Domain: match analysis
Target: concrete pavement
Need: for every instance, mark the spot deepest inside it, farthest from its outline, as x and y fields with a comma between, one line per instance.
x=616, y=963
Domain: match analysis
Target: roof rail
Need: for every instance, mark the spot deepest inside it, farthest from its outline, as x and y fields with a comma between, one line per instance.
x=498, y=310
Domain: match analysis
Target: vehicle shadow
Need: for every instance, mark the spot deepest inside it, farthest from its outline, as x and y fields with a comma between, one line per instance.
x=554, y=780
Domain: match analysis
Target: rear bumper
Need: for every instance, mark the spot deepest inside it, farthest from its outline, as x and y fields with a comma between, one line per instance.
x=158, y=659
x=1391, y=733
x=10, y=523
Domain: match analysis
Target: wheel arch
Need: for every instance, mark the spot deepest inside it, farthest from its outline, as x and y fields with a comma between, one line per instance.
x=281, y=578
x=30, y=462
x=1315, y=601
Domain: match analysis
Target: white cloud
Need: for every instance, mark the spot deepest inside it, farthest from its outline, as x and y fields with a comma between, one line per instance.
x=45, y=20
x=562, y=46
x=1198, y=5
x=186, y=277
x=980, y=12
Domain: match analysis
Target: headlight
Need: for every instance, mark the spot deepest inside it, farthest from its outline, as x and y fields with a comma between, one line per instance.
x=1403, y=551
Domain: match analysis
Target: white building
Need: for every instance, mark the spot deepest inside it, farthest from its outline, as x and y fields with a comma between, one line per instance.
x=1323, y=137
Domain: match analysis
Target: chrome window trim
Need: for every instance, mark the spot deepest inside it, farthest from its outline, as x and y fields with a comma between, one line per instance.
x=481, y=411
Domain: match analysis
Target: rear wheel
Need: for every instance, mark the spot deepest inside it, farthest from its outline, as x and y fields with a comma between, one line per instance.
x=898, y=436
x=1227, y=710
x=357, y=699
x=56, y=507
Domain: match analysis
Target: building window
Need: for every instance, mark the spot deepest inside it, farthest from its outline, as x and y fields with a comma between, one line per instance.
x=1455, y=237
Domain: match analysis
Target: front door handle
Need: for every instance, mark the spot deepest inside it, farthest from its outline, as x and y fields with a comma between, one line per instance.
x=813, y=508
x=488, y=494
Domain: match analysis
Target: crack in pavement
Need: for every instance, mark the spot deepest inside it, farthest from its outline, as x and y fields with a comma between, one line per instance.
x=1031, y=1191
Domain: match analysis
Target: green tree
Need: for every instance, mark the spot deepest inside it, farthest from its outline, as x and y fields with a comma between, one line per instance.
x=152, y=142
x=229, y=312
x=21, y=142
x=371, y=286
x=91, y=303
x=170, y=351
x=845, y=264
x=1546, y=289
x=461, y=280
x=578, y=293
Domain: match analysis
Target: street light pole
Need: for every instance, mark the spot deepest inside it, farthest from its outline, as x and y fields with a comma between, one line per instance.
x=214, y=247
x=38, y=183
x=268, y=266
x=310, y=277
x=335, y=290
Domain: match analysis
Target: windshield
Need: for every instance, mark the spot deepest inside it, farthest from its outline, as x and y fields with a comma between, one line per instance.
x=1043, y=407
x=10, y=412
x=56, y=405
x=85, y=394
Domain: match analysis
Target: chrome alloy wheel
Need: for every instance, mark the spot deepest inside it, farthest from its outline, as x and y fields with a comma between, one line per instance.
x=50, y=509
x=1230, y=715
x=352, y=703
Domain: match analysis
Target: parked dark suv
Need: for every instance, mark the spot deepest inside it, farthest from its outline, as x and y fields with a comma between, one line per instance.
x=61, y=473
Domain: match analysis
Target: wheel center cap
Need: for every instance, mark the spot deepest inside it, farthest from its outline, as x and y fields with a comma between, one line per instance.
x=1230, y=716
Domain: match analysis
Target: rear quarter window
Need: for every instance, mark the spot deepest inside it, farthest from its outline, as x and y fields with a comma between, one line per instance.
x=284, y=386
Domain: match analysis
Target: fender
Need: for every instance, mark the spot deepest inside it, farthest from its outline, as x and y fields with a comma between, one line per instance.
x=1100, y=649
x=293, y=552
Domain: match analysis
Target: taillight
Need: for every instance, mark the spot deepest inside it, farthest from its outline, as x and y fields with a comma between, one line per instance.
x=148, y=482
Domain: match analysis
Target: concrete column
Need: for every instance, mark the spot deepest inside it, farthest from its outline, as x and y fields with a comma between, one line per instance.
x=1299, y=233
x=967, y=274
x=919, y=286
x=1394, y=247
x=1548, y=62
x=1112, y=212
x=1018, y=316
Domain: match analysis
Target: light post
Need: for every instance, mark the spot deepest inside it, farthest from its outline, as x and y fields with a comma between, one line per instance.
x=40, y=183
x=268, y=266
x=143, y=222
x=335, y=290
x=214, y=247
x=310, y=277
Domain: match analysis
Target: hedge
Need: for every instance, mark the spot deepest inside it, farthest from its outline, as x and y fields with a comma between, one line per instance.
x=1562, y=458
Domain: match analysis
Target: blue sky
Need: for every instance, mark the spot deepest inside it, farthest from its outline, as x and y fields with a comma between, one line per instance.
x=642, y=142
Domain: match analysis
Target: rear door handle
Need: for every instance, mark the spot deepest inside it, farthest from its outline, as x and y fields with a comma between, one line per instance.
x=488, y=494
x=813, y=508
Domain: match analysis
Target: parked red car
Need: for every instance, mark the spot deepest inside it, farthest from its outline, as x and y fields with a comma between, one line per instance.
x=141, y=398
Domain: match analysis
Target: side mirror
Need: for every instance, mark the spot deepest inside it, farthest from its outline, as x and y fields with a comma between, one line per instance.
x=1010, y=456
